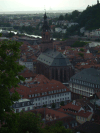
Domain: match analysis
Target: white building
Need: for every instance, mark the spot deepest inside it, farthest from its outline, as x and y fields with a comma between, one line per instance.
x=86, y=82
x=97, y=32
x=82, y=30
x=70, y=24
x=22, y=104
x=58, y=29
x=46, y=95
x=28, y=63
x=63, y=30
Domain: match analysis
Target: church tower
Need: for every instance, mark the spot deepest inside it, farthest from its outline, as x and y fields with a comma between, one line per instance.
x=46, y=42
x=97, y=1
x=45, y=30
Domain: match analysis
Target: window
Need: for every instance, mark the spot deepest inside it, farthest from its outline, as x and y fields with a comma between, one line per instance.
x=45, y=97
x=72, y=124
x=32, y=95
x=67, y=126
x=62, y=94
x=62, y=90
x=45, y=93
x=76, y=124
x=96, y=86
x=65, y=89
x=59, y=90
x=42, y=93
x=38, y=99
x=35, y=95
x=54, y=91
x=22, y=104
x=38, y=94
x=28, y=103
x=17, y=105
x=29, y=95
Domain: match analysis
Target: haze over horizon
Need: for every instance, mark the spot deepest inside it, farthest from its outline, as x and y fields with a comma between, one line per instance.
x=30, y=5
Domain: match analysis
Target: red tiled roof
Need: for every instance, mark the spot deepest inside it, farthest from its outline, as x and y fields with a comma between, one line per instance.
x=39, y=88
x=71, y=106
x=84, y=114
x=51, y=112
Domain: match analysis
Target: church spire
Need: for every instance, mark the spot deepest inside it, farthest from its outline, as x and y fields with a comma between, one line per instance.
x=45, y=26
x=97, y=1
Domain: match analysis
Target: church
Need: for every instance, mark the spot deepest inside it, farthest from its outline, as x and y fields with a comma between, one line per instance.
x=51, y=63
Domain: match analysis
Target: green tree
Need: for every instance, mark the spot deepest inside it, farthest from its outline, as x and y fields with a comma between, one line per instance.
x=62, y=103
x=44, y=105
x=29, y=122
x=81, y=54
x=53, y=105
x=81, y=49
x=56, y=128
x=61, y=17
x=9, y=68
x=10, y=34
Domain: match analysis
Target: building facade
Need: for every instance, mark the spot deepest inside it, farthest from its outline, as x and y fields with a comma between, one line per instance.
x=85, y=83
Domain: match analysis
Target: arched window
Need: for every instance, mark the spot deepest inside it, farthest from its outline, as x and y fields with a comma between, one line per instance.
x=61, y=75
x=52, y=73
x=56, y=74
x=64, y=75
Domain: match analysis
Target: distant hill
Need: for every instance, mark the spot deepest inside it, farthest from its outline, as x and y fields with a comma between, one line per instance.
x=90, y=18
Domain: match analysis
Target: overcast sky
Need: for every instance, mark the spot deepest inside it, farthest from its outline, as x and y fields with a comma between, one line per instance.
x=31, y=5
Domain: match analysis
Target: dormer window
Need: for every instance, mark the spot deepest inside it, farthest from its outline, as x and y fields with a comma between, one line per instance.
x=17, y=105
x=42, y=93
x=35, y=95
x=38, y=94
x=32, y=95
x=45, y=93
x=22, y=104
x=29, y=96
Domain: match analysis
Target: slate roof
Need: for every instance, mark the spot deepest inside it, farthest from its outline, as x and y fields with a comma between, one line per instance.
x=53, y=58
x=88, y=75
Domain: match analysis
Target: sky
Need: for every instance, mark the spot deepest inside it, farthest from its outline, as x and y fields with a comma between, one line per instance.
x=34, y=5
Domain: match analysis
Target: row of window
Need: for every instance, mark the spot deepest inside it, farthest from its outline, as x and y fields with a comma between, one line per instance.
x=45, y=93
x=23, y=104
x=81, y=118
x=67, y=126
x=84, y=83
x=44, y=98
x=83, y=88
x=38, y=99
